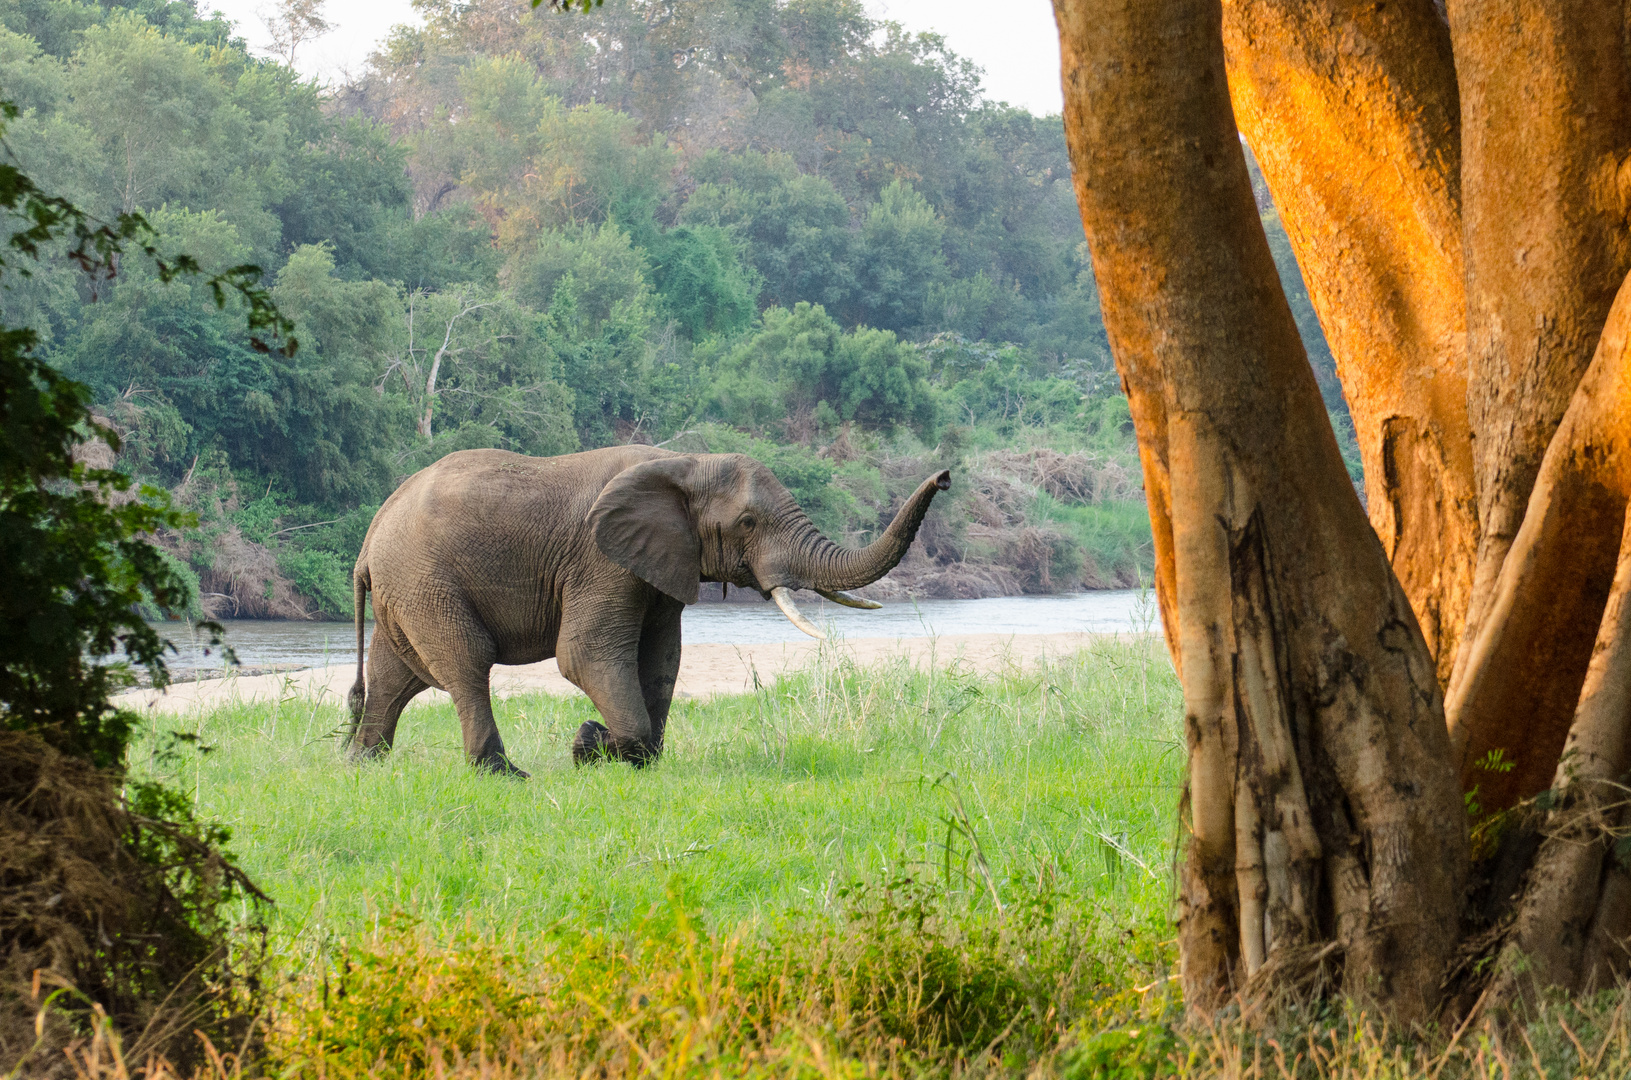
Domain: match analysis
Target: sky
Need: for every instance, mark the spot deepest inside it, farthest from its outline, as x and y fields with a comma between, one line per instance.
x=1015, y=43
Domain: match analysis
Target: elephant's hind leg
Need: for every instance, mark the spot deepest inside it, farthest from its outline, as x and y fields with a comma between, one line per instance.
x=483, y=745
x=459, y=654
x=391, y=685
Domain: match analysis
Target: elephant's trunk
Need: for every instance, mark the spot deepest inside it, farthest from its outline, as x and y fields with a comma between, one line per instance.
x=822, y=565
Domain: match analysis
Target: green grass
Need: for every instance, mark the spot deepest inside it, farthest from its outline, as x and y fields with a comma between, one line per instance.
x=881, y=872
x=762, y=804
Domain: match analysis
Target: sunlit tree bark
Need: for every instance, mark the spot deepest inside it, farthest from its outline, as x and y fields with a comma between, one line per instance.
x=1546, y=104
x=1352, y=111
x=1321, y=808
x=1455, y=187
x=1575, y=915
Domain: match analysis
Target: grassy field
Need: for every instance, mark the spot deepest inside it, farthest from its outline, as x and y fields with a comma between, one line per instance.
x=840, y=816
x=762, y=804
x=878, y=872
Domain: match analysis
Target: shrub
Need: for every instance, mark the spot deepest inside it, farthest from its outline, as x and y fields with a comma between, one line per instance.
x=114, y=900
x=906, y=976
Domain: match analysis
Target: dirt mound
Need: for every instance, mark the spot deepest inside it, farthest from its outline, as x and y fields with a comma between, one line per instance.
x=107, y=918
x=244, y=582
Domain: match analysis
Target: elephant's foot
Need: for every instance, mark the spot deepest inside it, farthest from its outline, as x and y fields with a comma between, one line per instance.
x=592, y=743
x=359, y=753
x=501, y=765
x=639, y=754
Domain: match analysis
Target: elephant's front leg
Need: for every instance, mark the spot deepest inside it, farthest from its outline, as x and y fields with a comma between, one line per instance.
x=660, y=662
x=604, y=662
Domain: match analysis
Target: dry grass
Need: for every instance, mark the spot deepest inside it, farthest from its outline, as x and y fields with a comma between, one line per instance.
x=1025, y=522
x=1082, y=476
x=108, y=918
x=415, y=1008
x=1557, y=1039
x=244, y=582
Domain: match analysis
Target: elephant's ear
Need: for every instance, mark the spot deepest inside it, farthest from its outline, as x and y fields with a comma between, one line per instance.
x=642, y=522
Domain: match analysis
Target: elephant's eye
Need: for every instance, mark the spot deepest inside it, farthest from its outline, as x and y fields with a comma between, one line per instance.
x=747, y=524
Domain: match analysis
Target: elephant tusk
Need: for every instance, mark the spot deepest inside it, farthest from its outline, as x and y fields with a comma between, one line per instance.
x=839, y=596
x=784, y=600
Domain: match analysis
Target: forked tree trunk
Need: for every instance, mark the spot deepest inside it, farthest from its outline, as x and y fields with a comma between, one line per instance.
x=1324, y=823
x=1457, y=195
x=1546, y=122
x=1575, y=913
x=1372, y=133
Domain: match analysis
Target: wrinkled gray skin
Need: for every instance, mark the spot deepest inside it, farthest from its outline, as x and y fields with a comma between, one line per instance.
x=489, y=557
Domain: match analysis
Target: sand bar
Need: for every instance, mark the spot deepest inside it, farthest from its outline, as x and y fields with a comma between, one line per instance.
x=705, y=670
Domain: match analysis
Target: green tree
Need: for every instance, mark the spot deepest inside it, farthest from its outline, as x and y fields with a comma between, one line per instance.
x=531, y=162
x=154, y=109
x=901, y=259
x=698, y=273
x=602, y=321
x=1002, y=386
x=176, y=369
x=801, y=370
x=795, y=227
x=476, y=370
x=75, y=546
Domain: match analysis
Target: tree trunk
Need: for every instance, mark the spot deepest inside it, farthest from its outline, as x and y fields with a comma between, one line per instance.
x=1553, y=943
x=1351, y=109
x=1573, y=906
x=1545, y=121
x=1324, y=823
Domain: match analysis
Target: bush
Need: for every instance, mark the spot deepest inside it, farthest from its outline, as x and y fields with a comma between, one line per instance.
x=803, y=373
x=113, y=900
x=1141, y=1052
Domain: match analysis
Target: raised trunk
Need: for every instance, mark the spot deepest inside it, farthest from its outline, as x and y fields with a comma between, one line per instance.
x=1351, y=109
x=818, y=563
x=1545, y=121
x=1324, y=823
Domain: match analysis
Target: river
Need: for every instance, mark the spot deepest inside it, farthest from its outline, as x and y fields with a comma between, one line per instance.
x=263, y=644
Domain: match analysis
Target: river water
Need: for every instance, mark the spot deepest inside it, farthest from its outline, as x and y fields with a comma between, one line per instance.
x=261, y=644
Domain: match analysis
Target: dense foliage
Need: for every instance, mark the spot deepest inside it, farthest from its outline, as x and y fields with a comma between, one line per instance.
x=73, y=537
x=113, y=898
x=544, y=232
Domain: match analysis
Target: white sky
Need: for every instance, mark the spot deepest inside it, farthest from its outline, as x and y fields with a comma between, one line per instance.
x=1015, y=43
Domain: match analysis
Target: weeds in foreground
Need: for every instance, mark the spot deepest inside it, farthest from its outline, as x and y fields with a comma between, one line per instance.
x=1556, y=1039
x=901, y=983
x=862, y=999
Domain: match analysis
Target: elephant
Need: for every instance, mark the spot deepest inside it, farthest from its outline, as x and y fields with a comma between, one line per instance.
x=489, y=557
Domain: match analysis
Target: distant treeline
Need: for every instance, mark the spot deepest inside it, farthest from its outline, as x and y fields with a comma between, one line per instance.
x=772, y=226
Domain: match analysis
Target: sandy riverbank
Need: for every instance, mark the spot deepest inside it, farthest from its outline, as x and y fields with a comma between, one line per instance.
x=705, y=670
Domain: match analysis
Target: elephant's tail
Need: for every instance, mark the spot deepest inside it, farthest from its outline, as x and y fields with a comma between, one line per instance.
x=359, y=600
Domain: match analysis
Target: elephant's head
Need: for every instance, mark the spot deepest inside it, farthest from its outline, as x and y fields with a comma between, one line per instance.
x=681, y=519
